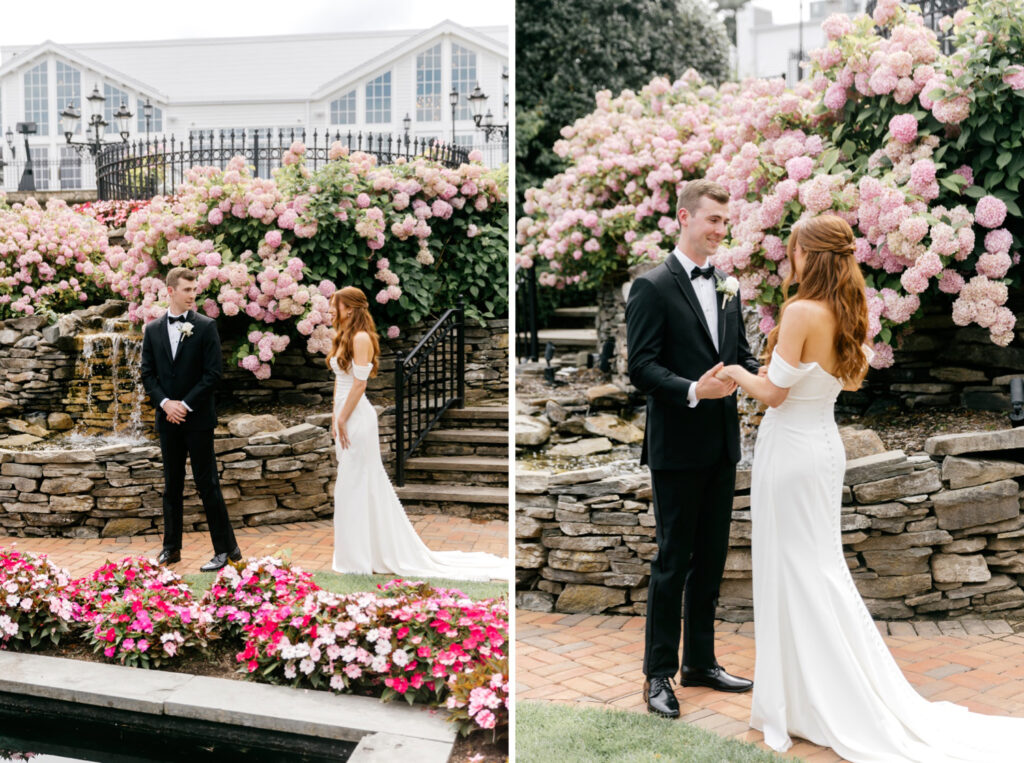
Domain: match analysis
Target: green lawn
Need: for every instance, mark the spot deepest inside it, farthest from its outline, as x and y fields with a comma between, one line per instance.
x=199, y=582
x=572, y=734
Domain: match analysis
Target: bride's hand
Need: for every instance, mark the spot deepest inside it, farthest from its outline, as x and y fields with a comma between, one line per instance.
x=726, y=374
x=341, y=433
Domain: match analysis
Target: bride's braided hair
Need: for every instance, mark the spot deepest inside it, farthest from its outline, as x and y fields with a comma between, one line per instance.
x=345, y=330
x=831, y=275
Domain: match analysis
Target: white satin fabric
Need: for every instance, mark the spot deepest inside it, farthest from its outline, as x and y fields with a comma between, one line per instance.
x=372, y=533
x=823, y=672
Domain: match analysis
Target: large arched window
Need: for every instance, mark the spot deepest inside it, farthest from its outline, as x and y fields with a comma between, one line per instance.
x=37, y=101
x=428, y=85
x=69, y=89
x=463, y=78
x=378, y=99
x=114, y=98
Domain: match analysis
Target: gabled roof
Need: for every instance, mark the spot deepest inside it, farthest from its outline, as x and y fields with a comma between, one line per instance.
x=73, y=56
x=354, y=76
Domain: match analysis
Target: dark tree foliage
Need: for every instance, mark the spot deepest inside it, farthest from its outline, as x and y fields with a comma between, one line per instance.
x=568, y=50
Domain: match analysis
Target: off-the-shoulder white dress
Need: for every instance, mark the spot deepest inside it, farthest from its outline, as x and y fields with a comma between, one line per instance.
x=372, y=533
x=823, y=671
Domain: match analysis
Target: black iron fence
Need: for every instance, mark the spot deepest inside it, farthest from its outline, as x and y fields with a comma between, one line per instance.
x=527, y=344
x=145, y=168
x=48, y=174
x=429, y=380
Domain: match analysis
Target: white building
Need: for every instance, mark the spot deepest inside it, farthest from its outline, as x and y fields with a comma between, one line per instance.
x=764, y=49
x=359, y=82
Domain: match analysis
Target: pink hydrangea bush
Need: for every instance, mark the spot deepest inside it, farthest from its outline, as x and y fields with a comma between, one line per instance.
x=49, y=258
x=34, y=606
x=854, y=139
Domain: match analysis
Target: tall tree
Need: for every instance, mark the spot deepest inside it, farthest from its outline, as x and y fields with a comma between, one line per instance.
x=567, y=50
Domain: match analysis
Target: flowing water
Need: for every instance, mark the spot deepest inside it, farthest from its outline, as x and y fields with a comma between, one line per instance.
x=110, y=369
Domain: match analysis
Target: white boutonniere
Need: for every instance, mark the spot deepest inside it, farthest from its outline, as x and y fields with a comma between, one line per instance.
x=728, y=288
x=185, y=329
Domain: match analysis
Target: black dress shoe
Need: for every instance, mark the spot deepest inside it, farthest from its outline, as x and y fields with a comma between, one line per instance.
x=221, y=560
x=715, y=678
x=660, y=698
x=169, y=556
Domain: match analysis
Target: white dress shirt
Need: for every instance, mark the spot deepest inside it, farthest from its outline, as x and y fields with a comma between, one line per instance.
x=174, y=336
x=706, y=296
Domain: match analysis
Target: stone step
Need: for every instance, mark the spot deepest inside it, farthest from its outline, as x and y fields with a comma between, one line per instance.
x=458, y=464
x=564, y=338
x=587, y=311
x=417, y=491
x=469, y=436
x=478, y=413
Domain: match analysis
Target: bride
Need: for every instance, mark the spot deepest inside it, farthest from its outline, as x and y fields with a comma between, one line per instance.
x=823, y=672
x=371, y=531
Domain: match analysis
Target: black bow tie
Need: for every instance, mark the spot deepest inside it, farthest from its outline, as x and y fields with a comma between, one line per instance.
x=180, y=318
x=708, y=272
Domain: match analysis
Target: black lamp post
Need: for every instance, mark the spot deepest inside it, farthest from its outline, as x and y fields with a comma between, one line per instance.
x=28, y=178
x=477, y=101
x=453, y=99
x=406, y=124
x=93, y=143
x=147, y=112
x=10, y=145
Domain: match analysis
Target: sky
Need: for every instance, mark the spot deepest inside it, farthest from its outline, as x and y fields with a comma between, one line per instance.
x=73, y=21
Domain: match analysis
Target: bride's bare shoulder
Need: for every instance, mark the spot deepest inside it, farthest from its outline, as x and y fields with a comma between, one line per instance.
x=807, y=310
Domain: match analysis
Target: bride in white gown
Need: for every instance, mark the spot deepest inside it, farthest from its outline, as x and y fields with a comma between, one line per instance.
x=823, y=671
x=372, y=533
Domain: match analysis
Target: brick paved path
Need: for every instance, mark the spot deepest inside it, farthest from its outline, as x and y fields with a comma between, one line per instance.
x=597, y=659
x=310, y=543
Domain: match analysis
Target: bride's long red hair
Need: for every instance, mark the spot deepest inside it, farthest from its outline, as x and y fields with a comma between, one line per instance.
x=831, y=275
x=346, y=329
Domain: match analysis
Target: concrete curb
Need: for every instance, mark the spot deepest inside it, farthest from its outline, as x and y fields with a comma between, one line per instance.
x=384, y=732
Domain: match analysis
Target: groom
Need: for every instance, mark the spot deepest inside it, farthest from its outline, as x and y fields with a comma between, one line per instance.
x=682, y=325
x=181, y=364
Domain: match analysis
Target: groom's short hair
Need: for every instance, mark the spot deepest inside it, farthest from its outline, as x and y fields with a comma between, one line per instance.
x=695, y=190
x=179, y=274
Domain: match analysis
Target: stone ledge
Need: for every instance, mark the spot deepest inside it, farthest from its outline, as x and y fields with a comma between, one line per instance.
x=224, y=701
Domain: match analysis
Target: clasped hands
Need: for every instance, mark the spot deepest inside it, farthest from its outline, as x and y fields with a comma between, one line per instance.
x=721, y=380
x=175, y=411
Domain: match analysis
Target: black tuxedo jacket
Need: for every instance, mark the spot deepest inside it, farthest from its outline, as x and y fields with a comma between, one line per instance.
x=670, y=348
x=191, y=376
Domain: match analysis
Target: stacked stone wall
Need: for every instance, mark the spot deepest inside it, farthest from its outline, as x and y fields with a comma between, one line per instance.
x=938, y=533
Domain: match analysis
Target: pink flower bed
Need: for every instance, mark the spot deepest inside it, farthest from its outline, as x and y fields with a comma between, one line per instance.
x=410, y=640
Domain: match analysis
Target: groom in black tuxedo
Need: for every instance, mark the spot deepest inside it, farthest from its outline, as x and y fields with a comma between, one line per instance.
x=682, y=326
x=181, y=364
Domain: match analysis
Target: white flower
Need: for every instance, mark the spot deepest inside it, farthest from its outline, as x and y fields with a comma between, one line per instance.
x=728, y=288
x=185, y=329
x=400, y=658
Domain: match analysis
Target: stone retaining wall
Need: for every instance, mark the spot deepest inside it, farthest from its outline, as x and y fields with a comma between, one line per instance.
x=267, y=477
x=41, y=373
x=939, y=532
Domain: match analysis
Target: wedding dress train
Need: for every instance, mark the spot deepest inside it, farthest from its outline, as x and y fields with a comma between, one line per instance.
x=372, y=533
x=823, y=671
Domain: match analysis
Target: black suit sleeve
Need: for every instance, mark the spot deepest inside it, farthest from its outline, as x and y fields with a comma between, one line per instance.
x=212, y=368
x=645, y=318
x=150, y=380
x=743, y=354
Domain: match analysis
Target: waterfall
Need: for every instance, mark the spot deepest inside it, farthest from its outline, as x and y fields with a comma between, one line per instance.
x=124, y=353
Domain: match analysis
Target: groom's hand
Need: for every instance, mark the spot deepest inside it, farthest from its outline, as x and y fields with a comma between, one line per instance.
x=711, y=387
x=176, y=411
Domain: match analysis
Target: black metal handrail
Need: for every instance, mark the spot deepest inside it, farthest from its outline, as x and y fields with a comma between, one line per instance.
x=527, y=342
x=143, y=169
x=429, y=380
